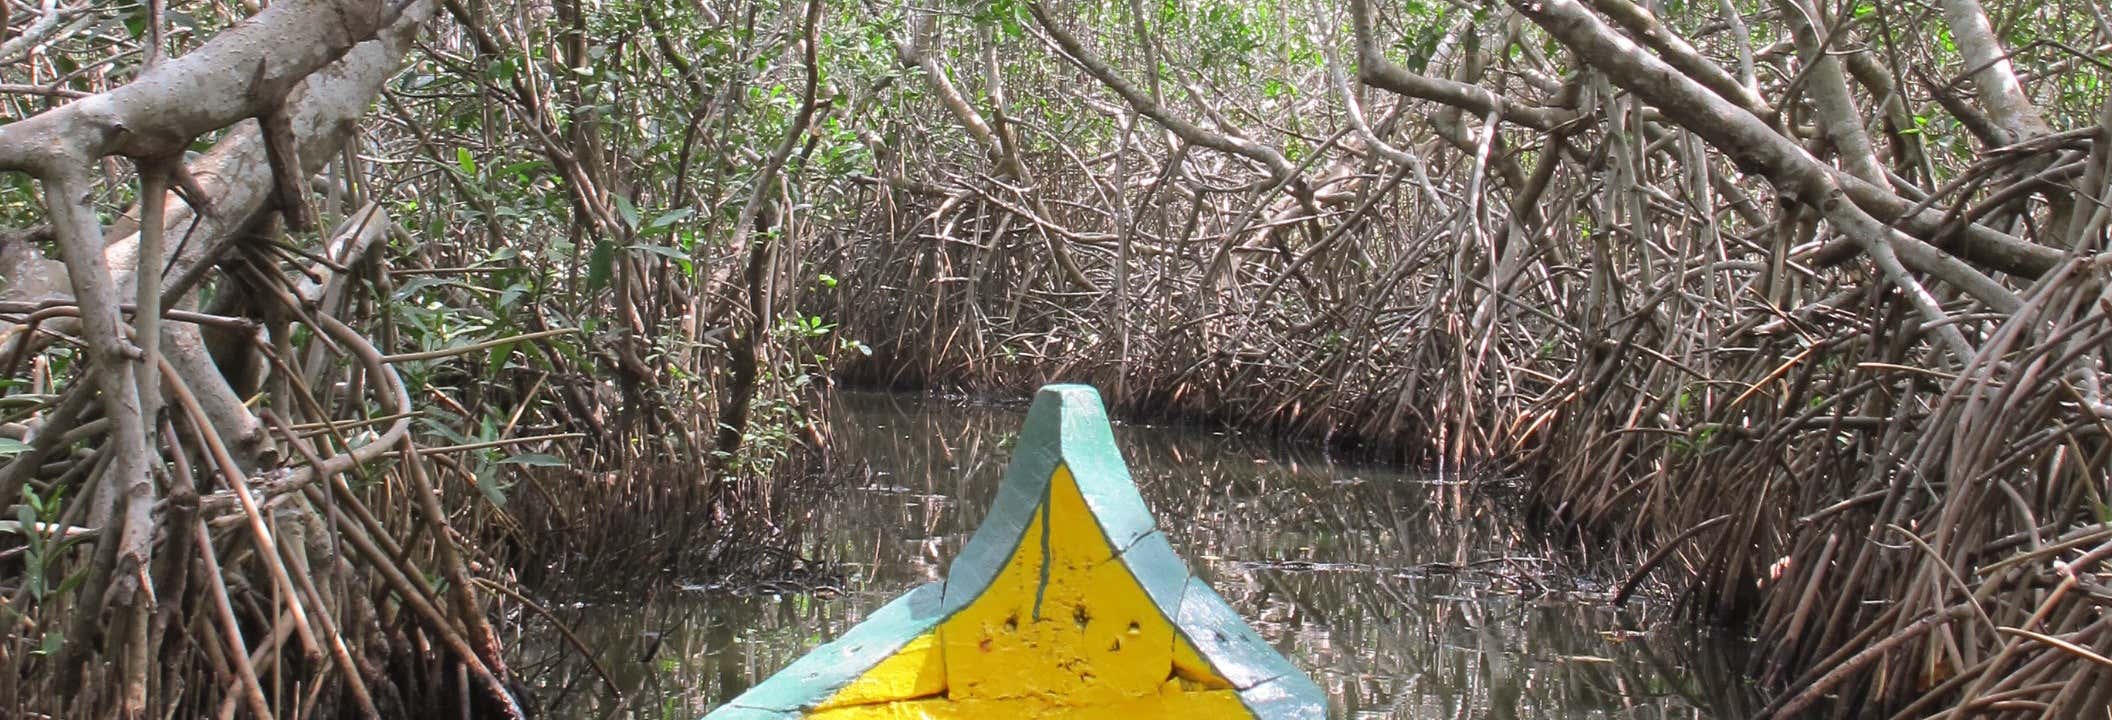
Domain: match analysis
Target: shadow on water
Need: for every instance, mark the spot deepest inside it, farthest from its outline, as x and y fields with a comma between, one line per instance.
x=1404, y=596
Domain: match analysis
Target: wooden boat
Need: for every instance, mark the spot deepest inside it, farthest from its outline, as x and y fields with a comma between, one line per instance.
x=1066, y=603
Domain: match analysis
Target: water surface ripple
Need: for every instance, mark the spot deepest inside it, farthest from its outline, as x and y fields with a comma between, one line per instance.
x=1405, y=596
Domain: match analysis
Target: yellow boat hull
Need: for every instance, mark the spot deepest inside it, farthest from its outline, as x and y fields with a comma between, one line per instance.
x=1066, y=603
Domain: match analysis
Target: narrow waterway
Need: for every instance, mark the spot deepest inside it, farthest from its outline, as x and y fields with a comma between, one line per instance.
x=1401, y=593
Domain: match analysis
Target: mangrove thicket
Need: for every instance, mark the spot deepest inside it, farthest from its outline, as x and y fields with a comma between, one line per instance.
x=324, y=324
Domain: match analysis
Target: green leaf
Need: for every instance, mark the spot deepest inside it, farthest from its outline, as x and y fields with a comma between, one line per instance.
x=10, y=447
x=534, y=460
x=672, y=217
x=628, y=211
x=601, y=265
x=72, y=582
x=488, y=483
x=495, y=362
x=466, y=162
x=523, y=170
x=512, y=295
x=417, y=284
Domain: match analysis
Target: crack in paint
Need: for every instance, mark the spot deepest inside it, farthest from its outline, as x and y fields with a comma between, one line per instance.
x=1258, y=683
x=1132, y=544
x=1048, y=501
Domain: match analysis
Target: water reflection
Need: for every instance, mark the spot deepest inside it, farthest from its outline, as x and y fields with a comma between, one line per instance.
x=1403, y=596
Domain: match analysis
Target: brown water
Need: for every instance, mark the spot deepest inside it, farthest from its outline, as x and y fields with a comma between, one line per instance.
x=1404, y=596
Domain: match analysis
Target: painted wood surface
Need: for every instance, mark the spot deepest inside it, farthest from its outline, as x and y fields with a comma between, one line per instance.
x=1066, y=603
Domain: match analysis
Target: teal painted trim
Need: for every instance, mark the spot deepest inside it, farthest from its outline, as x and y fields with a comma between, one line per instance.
x=1068, y=427
x=817, y=675
x=1268, y=683
x=1292, y=697
x=1020, y=496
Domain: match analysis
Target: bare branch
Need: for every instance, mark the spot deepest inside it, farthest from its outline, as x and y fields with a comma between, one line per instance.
x=238, y=74
x=1280, y=169
x=1374, y=69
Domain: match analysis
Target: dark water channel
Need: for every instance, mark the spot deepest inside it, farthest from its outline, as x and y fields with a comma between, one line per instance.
x=1404, y=595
